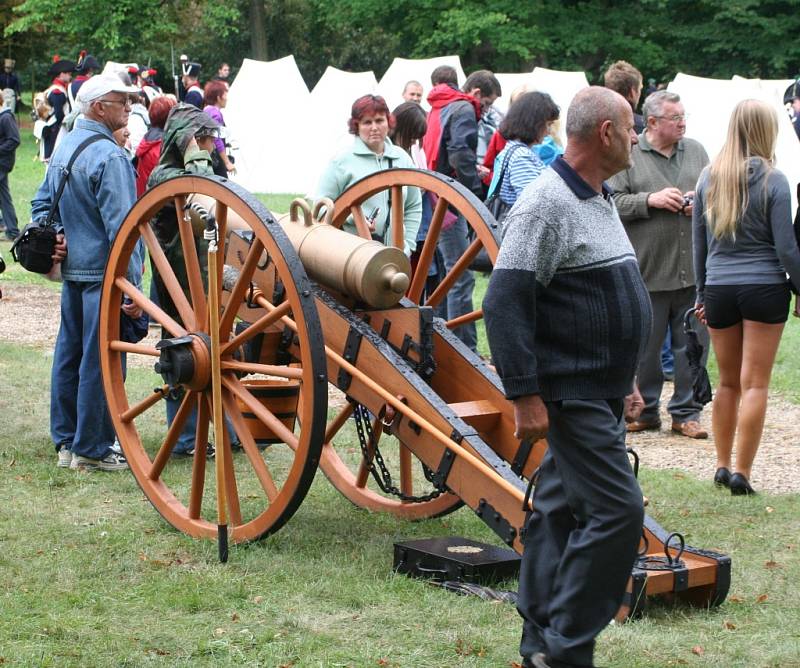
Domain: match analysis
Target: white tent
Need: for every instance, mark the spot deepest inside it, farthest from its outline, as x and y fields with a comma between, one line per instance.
x=509, y=82
x=331, y=102
x=403, y=70
x=562, y=87
x=272, y=125
x=709, y=103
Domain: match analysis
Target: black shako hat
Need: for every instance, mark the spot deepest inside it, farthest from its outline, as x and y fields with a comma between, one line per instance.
x=86, y=62
x=191, y=69
x=60, y=66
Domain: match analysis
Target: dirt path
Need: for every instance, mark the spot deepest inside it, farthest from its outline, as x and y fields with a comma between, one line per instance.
x=29, y=316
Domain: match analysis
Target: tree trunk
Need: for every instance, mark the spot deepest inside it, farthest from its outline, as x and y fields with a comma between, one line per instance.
x=258, y=30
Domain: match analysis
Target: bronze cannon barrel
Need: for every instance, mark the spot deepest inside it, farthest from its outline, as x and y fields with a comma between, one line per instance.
x=361, y=268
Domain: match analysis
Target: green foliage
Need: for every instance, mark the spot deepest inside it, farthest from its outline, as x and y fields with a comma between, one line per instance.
x=716, y=38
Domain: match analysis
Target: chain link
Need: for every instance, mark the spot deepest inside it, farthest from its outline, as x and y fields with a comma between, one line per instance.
x=368, y=440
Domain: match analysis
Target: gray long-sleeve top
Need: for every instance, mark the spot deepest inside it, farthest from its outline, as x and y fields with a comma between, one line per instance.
x=764, y=249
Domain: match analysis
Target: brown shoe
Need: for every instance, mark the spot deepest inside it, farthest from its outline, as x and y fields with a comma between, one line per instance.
x=690, y=429
x=639, y=425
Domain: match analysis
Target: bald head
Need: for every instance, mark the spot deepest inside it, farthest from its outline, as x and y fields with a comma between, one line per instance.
x=590, y=108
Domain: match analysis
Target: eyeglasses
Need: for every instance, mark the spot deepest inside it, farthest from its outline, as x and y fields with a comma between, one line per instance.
x=675, y=118
x=125, y=103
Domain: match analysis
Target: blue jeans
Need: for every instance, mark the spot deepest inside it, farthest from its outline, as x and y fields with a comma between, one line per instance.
x=79, y=418
x=453, y=242
x=187, y=437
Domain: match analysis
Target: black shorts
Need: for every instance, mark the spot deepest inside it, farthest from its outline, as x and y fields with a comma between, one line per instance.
x=727, y=305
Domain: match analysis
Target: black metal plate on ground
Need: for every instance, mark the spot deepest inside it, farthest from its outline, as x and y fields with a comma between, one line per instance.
x=454, y=558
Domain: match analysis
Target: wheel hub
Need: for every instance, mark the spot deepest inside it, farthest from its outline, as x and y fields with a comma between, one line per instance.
x=185, y=360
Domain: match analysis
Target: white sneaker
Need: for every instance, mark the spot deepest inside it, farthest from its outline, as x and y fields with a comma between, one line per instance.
x=116, y=448
x=111, y=462
x=64, y=458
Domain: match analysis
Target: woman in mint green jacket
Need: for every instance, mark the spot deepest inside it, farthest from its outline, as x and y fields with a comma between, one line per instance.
x=372, y=151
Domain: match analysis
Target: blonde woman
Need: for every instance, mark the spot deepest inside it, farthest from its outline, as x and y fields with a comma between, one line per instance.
x=744, y=245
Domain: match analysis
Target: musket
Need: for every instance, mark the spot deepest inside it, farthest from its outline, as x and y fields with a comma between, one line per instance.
x=174, y=76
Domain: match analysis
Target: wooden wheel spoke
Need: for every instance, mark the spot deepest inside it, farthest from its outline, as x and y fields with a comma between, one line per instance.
x=174, y=431
x=472, y=316
x=192, y=263
x=135, y=348
x=428, y=251
x=167, y=275
x=363, y=468
x=199, y=460
x=231, y=487
x=154, y=311
x=239, y=289
x=338, y=422
x=267, y=369
x=455, y=272
x=137, y=409
x=250, y=447
x=260, y=411
x=257, y=327
x=398, y=224
x=360, y=221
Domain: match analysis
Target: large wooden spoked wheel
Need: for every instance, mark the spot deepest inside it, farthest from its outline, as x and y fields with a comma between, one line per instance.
x=342, y=462
x=263, y=487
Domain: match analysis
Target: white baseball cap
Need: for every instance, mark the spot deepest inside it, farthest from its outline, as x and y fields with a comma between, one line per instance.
x=102, y=84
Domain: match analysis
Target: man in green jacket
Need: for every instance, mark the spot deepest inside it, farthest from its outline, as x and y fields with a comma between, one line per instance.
x=654, y=199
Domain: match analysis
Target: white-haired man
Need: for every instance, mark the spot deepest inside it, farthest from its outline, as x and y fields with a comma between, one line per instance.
x=100, y=190
x=654, y=198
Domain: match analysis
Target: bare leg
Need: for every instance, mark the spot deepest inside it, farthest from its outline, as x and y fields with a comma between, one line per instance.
x=760, y=344
x=728, y=351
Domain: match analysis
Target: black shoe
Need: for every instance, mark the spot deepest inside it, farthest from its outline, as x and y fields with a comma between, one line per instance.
x=11, y=236
x=540, y=660
x=740, y=486
x=210, y=452
x=722, y=478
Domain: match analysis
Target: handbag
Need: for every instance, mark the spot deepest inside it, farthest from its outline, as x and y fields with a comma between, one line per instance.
x=36, y=244
x=499, y=210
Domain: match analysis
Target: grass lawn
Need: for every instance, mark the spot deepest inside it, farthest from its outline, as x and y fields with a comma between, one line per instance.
x=91, y=576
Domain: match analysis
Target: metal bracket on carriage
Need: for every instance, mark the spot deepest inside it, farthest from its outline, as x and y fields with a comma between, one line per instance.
x=409, y=330
x=350, y=353
x=496, y=522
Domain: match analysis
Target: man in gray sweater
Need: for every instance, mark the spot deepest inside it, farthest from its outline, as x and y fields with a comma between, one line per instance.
x=654, y=198
x=567, y=317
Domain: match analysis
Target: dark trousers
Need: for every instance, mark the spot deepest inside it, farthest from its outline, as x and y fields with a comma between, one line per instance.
x=669, y=308
x=583, y=535
x=7, y=207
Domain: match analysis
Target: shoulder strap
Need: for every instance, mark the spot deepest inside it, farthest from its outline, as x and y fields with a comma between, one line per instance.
x=51, y=215
x=503, y=168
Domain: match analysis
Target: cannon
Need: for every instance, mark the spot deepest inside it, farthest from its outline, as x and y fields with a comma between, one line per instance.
x=322, y=351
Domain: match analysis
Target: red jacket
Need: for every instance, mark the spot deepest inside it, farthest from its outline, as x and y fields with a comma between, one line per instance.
x=496, y=144
x=440, y=96
x=147, y=154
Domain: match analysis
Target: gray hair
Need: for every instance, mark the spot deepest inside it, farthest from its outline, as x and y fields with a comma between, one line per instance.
x=654, y=104
x=591, y=107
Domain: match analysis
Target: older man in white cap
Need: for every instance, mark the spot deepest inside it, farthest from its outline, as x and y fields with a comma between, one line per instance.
x=100, y=189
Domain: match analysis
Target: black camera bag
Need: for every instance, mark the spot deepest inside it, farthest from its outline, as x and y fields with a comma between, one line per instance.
x=35, y=246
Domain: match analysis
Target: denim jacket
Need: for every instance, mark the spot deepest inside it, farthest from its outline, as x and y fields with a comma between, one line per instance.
x=99, y=193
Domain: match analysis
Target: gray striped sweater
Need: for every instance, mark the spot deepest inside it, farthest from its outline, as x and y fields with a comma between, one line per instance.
x=567, y=312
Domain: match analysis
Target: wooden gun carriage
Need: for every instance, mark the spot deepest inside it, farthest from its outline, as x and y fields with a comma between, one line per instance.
x=319, y=355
